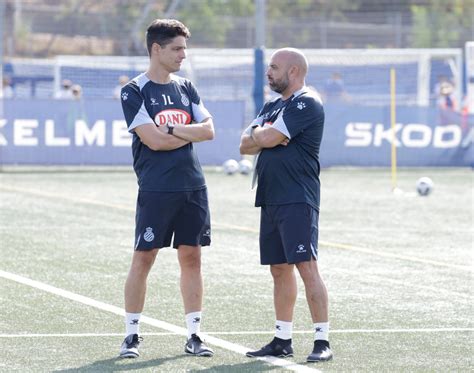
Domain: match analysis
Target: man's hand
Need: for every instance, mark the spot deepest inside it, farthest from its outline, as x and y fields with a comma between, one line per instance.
x=162, y=128
x=247, y=144
x=157, y=138
x=268, y=137
x=197, y=132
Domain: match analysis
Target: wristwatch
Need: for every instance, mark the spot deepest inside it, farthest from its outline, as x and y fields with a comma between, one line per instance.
x=170, y=127
x=252, y=128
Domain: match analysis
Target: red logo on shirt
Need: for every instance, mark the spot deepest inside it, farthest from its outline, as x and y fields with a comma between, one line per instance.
x=172, y=116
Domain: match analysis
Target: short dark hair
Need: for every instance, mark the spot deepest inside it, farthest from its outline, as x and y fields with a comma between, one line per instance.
x=162, y=31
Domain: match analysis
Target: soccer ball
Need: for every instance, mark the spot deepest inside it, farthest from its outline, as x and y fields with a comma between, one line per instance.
x=424, y=186
x=231, y=166
x=245, y=166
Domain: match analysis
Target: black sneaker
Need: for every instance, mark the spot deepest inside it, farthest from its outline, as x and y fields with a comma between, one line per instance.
x=321, y=352
x=130, y=345
x=277, y=347
x=195, y=346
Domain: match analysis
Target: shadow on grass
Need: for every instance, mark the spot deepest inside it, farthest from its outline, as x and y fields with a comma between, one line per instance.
x=251, y=366
x=117, y=364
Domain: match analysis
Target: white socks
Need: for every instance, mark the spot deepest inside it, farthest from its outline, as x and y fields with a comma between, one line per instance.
x=132, y=323
x=283, y=329
x=193, y=323
x=321, y=331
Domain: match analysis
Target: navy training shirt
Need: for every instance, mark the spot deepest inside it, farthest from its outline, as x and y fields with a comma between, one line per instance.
x=290, y=174
x=148, y=103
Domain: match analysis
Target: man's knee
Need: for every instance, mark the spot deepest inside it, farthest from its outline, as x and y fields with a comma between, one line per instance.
x=143, y=260
x=307, y=270
x=279, y=271
x=189, y=257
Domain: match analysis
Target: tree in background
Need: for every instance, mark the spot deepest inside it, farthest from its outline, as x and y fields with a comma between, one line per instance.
x=210, y=20
x=440, y=23
x=44, y=28
x=286, y=16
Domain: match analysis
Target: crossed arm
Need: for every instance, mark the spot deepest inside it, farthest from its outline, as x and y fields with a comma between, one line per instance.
x=261, y=137
x=158, y=139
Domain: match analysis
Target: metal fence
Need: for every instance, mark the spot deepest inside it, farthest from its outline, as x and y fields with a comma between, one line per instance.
x=45, y=28
x=228, y=74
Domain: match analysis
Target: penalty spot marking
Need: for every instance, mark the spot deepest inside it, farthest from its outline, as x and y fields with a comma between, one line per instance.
x=151, y=321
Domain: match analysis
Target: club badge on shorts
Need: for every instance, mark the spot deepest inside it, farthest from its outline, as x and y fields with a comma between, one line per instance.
x=149, y=235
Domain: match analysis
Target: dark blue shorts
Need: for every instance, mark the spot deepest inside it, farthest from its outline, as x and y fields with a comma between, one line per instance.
x=161, y=214
x=288, y=233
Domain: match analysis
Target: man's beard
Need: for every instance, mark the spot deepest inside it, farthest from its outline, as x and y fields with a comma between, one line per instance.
x=280, y=85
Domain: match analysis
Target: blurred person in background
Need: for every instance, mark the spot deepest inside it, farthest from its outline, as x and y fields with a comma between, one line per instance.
x=334, y=89
x=65, y=92
x=76, y=91
x=465, y=115
x=77, y=110
x=7, y=89
x=441, y=80
x=448, y=109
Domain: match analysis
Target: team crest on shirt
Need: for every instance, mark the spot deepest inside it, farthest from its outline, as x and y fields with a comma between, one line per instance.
x=184, y=99
x=124, y=96
x=149, y=235
x=172, y=116
x=301, y=105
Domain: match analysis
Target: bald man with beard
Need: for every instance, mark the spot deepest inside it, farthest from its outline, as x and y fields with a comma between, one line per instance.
x=286, y=137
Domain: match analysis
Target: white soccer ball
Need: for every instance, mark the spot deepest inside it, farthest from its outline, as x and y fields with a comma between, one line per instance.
x=231, y=166
x=245, y=166
x=424, y=186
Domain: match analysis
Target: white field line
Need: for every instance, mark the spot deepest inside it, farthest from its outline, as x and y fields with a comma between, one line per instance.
x=78, y=335
x=364, y=250
x=66, y=198
x=379, y=279
x=255, y=332
x=221, y=225
x=151, y=321
x=396, y=256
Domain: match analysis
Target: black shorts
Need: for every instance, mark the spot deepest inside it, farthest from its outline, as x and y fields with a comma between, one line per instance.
x=288, y=233
x=161, y=214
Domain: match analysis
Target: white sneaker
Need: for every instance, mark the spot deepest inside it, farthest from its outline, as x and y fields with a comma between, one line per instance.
x=195, y=346
x=130, y=345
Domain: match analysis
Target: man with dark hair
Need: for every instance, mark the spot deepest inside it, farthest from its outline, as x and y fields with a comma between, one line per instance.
x=163, y=31
x=287, y=136
x=166, y=115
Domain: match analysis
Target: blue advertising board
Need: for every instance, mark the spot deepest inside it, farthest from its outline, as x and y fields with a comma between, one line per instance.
x=355, y=135
x=93, y=132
